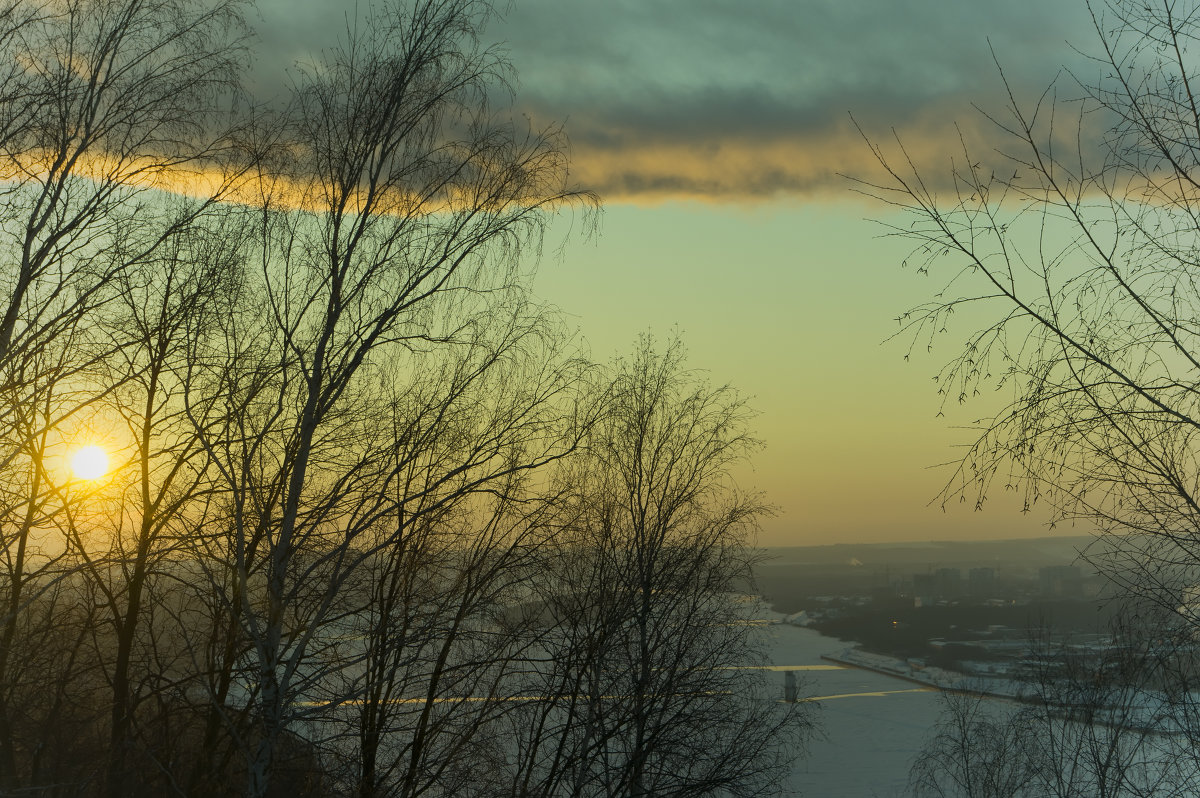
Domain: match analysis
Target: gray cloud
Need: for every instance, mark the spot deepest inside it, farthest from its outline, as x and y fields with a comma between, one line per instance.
x=692, y=78
x=729, y=98
x=576, y=52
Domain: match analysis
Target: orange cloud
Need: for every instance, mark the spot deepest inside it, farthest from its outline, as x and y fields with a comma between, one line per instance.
x=825, y=162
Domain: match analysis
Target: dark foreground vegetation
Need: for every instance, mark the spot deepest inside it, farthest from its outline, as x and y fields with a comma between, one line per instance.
x=372, y=524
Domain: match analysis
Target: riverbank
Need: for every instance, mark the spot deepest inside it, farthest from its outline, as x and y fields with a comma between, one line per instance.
x=929, y=676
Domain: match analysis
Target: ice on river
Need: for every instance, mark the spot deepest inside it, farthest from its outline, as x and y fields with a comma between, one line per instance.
x=871, y=725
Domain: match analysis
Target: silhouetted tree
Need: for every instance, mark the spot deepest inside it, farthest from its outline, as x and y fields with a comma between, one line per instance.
x=648, y=686
x=1103, y=720
x=978, y=749
x=371, y=528
x=104, y=105
x=1074, y=255
x=396, y=207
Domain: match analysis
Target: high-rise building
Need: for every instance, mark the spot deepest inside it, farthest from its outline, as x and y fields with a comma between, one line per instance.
x=1060, y=581
x=981, y=582
x=949, y=582
x=925, y=586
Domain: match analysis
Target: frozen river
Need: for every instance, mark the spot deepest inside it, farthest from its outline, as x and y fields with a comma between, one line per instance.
x=871, y=725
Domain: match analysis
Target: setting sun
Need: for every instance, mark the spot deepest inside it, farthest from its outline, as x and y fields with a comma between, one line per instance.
x=90, y=462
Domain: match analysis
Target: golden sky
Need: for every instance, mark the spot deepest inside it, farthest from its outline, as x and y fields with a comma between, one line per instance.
x=718, y=134
x=793, y=303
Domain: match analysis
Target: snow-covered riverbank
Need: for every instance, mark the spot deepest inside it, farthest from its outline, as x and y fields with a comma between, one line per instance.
x=928, y=675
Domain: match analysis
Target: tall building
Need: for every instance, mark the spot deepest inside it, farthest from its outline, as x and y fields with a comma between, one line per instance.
x=981, y=582
x=925, y=586
x=944, y=583
x=1060, y=581
x=949, y=582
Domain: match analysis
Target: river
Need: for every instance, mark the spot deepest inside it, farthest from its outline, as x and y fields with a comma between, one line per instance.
x=871, y=726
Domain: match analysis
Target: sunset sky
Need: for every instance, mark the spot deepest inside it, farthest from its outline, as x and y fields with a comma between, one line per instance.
x=715, y=132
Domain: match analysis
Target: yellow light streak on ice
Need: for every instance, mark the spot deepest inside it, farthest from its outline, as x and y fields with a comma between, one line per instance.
x=530, y=698
x=871, y=694
x=89, y=462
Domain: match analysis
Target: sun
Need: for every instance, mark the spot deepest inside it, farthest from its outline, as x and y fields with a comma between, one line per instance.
x=90, y=462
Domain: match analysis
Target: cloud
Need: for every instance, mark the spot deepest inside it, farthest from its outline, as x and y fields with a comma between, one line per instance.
x=628, y=159
x=728, y=100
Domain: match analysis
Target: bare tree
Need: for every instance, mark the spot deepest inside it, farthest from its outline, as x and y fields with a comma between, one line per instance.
x=648, y=686
x=451, y=558
x=1076, y=250
x=176, y=298
x=403, y=211
x=1075, y=245
x=105, y=104
x=979, y=749
x=332, y=556
x=1094, y=719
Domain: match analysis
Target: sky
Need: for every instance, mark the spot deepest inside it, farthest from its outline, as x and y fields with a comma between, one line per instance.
x=719, y=135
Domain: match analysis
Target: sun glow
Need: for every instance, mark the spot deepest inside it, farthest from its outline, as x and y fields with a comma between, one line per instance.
x=90, y=462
